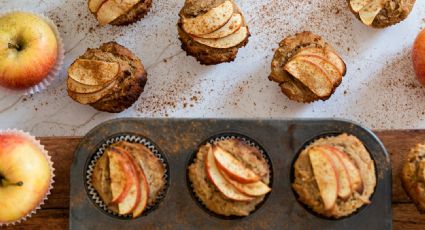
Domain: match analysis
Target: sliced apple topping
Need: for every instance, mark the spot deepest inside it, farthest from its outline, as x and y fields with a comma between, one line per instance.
x=209, y=22
x=233, y=25
x=258, y=188
x=93, y=73
x=311, y=75
x=332, y=72
x=233, y=167
x=217, y=179
x=119, y=173
x=357, y=5
x=227, y=42
x=94, y=5
x=331, y=56
x=88, y=98
x=112, y=9
x=325, y=175
x=369, y=12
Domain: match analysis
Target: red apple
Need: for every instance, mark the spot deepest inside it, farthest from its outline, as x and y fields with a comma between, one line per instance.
x=28, y=50
x=25, y=177
x=418, y=54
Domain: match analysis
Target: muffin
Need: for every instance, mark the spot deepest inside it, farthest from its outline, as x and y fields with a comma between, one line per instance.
x=307, y=68
x=119, y=13
x=334, y=176
x=230, y=177
x=413, y=176
x=30, y=50
x=109, y=78
x=381, y=13
x=26, y=176
x=128, y=178
x=212, y=31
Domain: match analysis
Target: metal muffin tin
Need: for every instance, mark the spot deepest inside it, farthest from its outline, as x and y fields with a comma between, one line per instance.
x=178, y=139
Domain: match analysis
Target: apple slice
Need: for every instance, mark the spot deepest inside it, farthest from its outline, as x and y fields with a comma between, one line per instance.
x=77, y=87
x=227, y=163
x=217, y=179
x=209, y=22
x=233, y=25
x=119, y=171
x=310, y=75
x=227, y=42
x=353, y=172
x=88, y=98
x=94, y=5
x=325, y=175
x=344, y=184
x=112, y=9
x=331, y=71
x=92, y=72
x=331, y=56
x=258, y=188
x=369, y=12
x=357, y=5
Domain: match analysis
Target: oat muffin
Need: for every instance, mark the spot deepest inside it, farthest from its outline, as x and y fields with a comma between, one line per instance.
x=307, y=68
x=230, y=193
x=212, y=31
x=109, y=78
x=413, y=176
x=381, y=13
x=119, y=13
x=128, y=178
x=334, y=176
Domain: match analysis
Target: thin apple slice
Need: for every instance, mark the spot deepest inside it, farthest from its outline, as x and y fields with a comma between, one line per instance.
x=209, y=22
x=144, y=188
x=256, y=189
x=325, y=175
x=94, y=5
x=310, y=75
x=344, y=184
x=369, y=12
x=112, y=9
x=227, y=163
x=119, y=171
x=353, y=171
x=132, y=199
x=217, y=179
x=331, y=56
x=77, y=87
x=357, y=5
x=233, y=25
x=88, y=98
x=330, y=69
x=92, y=72
x=227, y=42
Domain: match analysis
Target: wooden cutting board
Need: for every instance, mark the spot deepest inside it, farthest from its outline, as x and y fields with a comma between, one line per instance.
x=55, y=212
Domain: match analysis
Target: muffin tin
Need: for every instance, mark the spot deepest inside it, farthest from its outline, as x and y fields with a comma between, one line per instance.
x=178, y=139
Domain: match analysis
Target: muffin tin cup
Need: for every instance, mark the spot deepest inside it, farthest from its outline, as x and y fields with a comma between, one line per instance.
x=54, y=72
x=222, y=137
x=180, y=139
x=37, y=143
x=101, y=150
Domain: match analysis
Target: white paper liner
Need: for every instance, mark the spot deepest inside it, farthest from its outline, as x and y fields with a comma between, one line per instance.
x=247, y=141
x=54, y=72
x=132, y=139
x=52, y=170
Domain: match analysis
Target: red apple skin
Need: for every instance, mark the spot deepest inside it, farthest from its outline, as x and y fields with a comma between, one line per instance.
x=31, y=63
x=418, y=56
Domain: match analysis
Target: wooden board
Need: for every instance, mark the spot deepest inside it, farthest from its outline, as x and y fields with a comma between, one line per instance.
x=54, y=214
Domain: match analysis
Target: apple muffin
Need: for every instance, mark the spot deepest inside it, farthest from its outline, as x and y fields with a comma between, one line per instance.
x=334, y=176
x=119, y=13
x=212, y=31
x=381, y=13
x=307, y=68
x=109, y=78
x=128, y=178
x=230, y=177
x=413, y=176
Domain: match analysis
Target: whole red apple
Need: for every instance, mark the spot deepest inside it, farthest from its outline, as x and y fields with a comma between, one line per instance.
x=28, y=50
x=418, y=54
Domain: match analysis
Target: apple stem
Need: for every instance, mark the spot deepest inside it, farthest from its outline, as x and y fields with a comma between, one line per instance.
x=4, y=182
x=14, y=46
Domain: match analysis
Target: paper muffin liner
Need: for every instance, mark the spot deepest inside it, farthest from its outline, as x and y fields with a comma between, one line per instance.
x=93, y=194
x=54, y=72
x=215, y=139
x=37, y=143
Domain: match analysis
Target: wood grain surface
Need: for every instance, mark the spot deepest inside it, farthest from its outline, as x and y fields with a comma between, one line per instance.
x=55, y=212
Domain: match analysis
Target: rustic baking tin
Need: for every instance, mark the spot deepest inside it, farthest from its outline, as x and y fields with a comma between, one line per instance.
x=178, y=139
